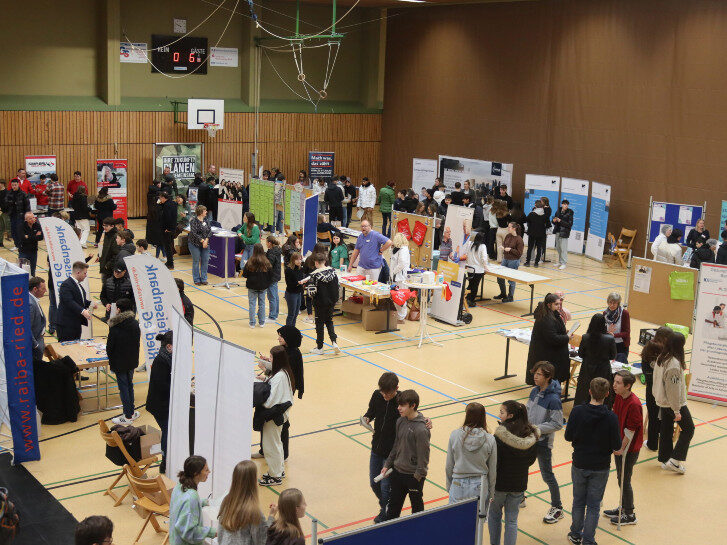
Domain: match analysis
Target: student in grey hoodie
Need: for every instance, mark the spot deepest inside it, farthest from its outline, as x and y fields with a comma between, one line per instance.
x=409, y=458
x=545, y=412
x=471, y=454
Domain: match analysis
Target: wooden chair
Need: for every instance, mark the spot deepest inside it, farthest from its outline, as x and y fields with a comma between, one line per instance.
x=153, y=498
x=324, y=237
x=623, y=246
x=138, y=469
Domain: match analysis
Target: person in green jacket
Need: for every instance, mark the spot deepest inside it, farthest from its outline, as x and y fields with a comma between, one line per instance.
x=386, y=202
x=339, y=252
x=250, y=235
x=185, y=507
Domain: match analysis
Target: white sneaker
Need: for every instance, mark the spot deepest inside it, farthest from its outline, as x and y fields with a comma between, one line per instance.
x=261, y=324
x=317, y=351
x=309, y=320
x=335, y=348
x=561, y=267
x=676, y=466
x=135, y=416
x=252, y=326
x=122, y=421
x=140, y=369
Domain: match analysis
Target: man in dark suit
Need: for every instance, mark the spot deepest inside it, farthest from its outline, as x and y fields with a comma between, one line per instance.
x=37, y=289
x=73, y=306
x=30, y=234
x=168, y=223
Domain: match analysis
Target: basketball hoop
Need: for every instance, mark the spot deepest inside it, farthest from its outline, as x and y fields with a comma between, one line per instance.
x=212, y=129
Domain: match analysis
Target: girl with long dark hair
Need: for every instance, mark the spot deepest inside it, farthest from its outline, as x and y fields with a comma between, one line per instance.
x=597, y=349
x=649, y=353
x=250, y=235
x=549, y=340
x=471, y=454
x=474, y=252
x=516, y=441
x=185, y=508
x=670, y=393
x=257, y=272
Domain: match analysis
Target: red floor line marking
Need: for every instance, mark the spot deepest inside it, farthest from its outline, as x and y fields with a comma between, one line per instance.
x=710, y=421
x=557, y=465
x=521, y=318
x=372, y=518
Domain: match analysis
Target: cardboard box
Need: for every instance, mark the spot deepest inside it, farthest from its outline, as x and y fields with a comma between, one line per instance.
x=181, y=244
x=351, y=307
x=151, y=437
x=375, y=320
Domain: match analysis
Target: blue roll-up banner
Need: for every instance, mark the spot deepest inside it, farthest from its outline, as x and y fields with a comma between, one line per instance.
x=18, y=355
x=455, y=523
x=598, y=220
x=310, y=222
x=576, y=192
x=537, y=186
x=683, y=216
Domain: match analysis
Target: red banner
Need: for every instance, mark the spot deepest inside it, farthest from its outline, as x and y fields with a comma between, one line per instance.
x=420, y=231
x=403, y=227
x=112, y=173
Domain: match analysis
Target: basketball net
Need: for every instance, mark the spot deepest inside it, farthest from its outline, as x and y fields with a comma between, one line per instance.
x=212, y=129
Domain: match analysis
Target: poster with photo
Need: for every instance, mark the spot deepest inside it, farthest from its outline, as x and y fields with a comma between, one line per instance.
x=112, y=174
x=709, y=348
x=35, y=165
x=229, y=209
x=482, y=175
x=184, y=160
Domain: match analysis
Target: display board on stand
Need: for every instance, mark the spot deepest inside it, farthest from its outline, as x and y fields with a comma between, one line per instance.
x=576, y=192
x=683, y=216
x=183, y=160
x=443, y=309
x=598, y=220
x=423, y=172
x=112, y=174
x=654, y=294
x=419, y=231
x=295, y=196
x=229, y=212
x=310, y=222
x=537, y=186
x=35, y=165
x=483, y=175
x=459, y=221
x=262, y=200
x=708, y=364
x=17, y=392
x=321, y=165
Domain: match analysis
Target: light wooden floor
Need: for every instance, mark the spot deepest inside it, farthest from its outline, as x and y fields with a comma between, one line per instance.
x=330, y=451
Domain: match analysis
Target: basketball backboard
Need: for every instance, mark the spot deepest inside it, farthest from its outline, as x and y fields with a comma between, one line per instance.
x=202, y=110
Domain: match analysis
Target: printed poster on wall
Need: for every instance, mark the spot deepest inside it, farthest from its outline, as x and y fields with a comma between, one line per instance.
x=423, y=172
x=459, y=220
x=598, y=220
x=576, y=192
x=133, y=52
x=184, y=160
x=224, y=56
x=482, y=175
x=709, y=347
x=536, y=187
x=321, y=165
x=35, y=165
x=229, y=212
x=294, y=200
x=112, y=174
x=262, y=200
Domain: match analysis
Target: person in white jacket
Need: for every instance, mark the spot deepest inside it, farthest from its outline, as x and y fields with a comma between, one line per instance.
x=670, y=251
x=282, y=384
x=471, y=453
x=367, y=200
x=660, y=239
x=474, y=253
x=670, y=394
x=399, y=264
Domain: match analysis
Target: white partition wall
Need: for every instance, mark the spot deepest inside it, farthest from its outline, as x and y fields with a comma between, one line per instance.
x=178, y=425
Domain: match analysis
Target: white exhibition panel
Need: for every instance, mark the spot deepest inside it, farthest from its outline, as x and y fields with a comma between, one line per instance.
x=423, y=172
x=178, y=425
x=598, y=220
x=484, y=174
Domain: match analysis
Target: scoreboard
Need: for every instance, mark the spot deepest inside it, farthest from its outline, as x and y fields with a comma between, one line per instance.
x=187, y=55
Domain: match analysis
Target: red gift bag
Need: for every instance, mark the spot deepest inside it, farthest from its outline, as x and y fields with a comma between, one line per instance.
x=420, y=231
x=403, y=227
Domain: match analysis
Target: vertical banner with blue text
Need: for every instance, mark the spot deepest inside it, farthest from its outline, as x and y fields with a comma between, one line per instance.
x=310, y=221
x=156, y=294
x=17, y=355
x=576, y=192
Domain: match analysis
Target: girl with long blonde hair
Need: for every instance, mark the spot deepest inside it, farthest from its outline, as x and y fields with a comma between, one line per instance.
x=286, y=529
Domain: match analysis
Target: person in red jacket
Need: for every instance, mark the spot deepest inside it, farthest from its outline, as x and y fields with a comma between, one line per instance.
x=77, y=182
x=39, y=191
x=631, y=427
x=25, y=185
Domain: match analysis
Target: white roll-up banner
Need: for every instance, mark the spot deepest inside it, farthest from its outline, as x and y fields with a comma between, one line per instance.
x=179, y=394
x=598, y=220
x=156, y=294
x=709, y=346
x=64, y=249
x=423, y=172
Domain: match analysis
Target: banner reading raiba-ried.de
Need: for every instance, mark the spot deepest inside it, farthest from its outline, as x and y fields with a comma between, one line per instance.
x=156, y=294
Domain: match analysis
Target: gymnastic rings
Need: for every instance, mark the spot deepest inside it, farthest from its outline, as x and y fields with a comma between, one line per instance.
x=322, y=94
x=301, y=77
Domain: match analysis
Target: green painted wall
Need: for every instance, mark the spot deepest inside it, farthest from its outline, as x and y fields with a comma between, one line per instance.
x=49, y=47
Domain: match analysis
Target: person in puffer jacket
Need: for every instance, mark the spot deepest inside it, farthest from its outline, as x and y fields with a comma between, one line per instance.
x=323, y=287
x=545, y=412
x=517, y=448
x=471, y=453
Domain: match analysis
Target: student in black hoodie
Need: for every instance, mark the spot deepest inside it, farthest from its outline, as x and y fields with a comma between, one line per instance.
x=537, y=233
x=257, y=272
x=122, y=348
x=594, y=431
x=517, y=450
x=399, y=201
x=323, y=285
x=187, y=305
x=293, y=289
x=274, y=254
x=160, y=384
